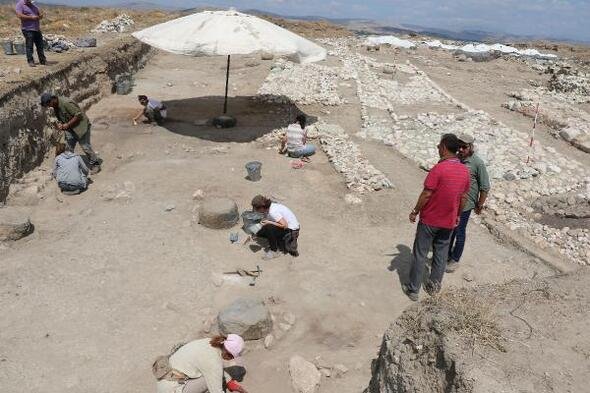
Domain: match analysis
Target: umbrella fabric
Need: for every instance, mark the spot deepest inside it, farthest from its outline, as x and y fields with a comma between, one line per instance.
x=211, y=33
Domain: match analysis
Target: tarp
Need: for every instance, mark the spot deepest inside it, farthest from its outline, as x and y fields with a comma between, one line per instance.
x=211, y=33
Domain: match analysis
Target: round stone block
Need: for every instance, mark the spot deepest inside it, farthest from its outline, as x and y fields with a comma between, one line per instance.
x=14, y=224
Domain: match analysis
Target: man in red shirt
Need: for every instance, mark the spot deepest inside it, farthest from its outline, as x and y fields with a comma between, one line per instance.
x=439, y=205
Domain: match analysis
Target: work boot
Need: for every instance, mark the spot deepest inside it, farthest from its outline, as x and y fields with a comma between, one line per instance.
x=432, y=288
x=413, y=296
x=452, y=265
x=95, y=169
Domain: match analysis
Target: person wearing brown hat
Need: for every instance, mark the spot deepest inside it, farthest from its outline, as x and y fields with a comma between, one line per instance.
x=476, y=198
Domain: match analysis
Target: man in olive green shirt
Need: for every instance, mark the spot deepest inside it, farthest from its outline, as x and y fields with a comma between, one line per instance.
x=476, y=198
x=75, y=125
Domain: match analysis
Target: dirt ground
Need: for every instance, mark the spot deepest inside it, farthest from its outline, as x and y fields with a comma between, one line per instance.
x=105, y=285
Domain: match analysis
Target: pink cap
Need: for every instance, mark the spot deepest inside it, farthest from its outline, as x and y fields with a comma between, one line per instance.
x=234, y=344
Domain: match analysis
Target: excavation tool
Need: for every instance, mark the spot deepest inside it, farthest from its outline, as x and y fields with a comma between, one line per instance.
x=248, y=273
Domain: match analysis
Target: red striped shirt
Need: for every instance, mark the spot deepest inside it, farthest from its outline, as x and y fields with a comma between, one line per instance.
x=448, y=180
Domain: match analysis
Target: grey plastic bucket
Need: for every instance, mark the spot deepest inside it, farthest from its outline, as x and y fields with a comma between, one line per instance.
x=249, y=217
x=19, y=48
x=8, y=48
x=254, y=168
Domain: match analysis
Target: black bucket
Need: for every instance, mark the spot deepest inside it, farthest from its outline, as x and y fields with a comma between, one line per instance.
x=254, y=168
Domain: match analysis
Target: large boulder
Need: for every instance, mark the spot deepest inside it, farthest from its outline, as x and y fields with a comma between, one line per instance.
x=247, y=317
x=218, y=213
x=14, y=224
x=305, y=377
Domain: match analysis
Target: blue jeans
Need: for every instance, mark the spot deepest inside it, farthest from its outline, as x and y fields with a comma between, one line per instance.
x=305, y=151
x=429, y=238
x=458, y=237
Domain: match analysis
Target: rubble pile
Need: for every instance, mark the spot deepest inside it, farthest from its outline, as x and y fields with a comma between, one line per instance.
x=301, y=83
x=360, y=175
x=57, y=43
x=119, y=24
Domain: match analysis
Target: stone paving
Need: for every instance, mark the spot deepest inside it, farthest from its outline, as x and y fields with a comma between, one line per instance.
x=523, y=177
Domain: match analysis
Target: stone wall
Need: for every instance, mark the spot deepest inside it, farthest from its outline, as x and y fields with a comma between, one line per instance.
x=24, y=130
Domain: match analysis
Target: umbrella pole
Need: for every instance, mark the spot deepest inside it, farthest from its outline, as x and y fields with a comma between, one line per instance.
x=226, y=85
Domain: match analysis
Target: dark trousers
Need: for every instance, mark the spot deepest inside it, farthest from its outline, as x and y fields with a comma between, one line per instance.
x=153, y=115
x=72, y=139
x=279, y=238
x=274, y=235
x=34, y=37
x=458, y=237
x=428, y=238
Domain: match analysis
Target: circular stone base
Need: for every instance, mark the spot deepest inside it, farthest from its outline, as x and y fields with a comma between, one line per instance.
x=224, y=121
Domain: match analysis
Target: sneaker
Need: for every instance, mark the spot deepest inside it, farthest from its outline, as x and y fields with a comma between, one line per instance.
x=432, y=288
x=95, y=169
x=268, y=255
x=294, y=253
x=413, y=296
x=44, y=62
x=452, y=265
x=32, y=65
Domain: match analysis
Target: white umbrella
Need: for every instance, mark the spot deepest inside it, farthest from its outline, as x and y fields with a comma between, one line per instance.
x=214, y=33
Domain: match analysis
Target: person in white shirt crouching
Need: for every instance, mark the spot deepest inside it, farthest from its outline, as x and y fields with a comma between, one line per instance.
x=280, y=227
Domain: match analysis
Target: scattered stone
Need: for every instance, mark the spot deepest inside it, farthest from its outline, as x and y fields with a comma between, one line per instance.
x=352, y=199
x=14, y=224
x=305, y=377
x=247, y=317
x=218, y=213
x=119, y=24
x=169, y=208
x=199, y=195
x=267, y=55
x=339, y=370
x=268, y=341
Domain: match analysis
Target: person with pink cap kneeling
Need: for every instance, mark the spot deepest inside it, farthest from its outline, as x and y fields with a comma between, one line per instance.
x=197, y=367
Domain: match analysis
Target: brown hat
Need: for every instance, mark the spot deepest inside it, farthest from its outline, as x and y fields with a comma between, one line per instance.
x=466, y=138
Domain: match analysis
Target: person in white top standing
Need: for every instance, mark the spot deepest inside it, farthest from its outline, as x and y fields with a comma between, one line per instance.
x=294, y=143
x=280, y=227
x=153, y=110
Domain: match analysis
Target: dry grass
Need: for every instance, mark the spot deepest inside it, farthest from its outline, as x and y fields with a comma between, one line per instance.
x=76, y=22
x=470, y=317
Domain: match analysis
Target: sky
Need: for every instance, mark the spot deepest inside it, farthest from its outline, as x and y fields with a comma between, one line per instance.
x=569, y=19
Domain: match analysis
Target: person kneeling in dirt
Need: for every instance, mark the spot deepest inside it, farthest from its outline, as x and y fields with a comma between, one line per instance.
x=75, y=125
x=153, y=110
x=197, y=367
x=69, y=170
x=294, y=143
x=280, y=227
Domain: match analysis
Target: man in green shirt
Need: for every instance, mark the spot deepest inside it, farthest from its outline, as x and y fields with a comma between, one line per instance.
x=478, y=192
x=75, y=125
